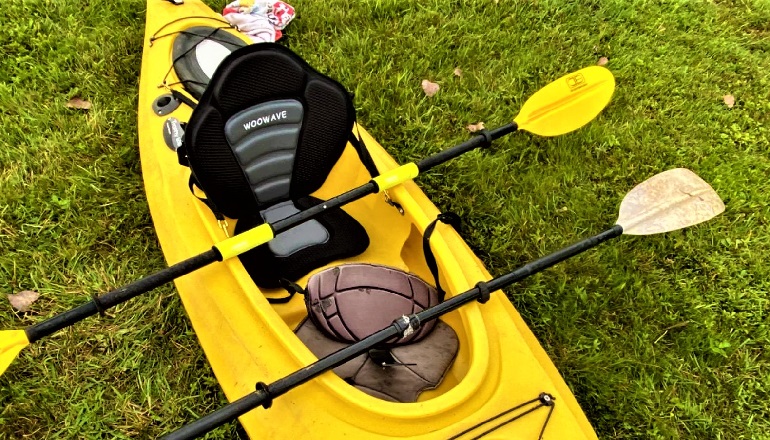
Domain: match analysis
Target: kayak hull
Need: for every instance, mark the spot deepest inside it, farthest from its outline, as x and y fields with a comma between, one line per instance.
x=500, y=363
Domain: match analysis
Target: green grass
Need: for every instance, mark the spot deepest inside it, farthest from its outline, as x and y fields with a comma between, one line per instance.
x=659, y=337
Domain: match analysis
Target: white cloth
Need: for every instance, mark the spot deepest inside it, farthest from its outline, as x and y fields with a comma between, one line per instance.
x=262, y=21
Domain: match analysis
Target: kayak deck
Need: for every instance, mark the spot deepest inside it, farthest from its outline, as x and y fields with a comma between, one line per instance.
x=499, y=365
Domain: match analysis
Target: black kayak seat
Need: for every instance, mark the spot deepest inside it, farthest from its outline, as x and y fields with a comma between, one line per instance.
x=267, y=131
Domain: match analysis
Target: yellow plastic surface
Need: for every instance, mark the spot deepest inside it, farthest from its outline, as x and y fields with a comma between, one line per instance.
x=499, y=365
x=391, y=178
x=245, y=241
x=568, y=103
x=11, y=343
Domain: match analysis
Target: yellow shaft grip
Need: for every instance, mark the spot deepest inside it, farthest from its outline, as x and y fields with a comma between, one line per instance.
x=397, y=176
x=245, y=241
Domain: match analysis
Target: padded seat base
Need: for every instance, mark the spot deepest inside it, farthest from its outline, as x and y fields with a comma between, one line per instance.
x=269, y=263
x=427, y=362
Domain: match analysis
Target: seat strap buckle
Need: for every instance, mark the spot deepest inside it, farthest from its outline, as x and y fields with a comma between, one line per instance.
x=390, y=202
x=223, y=225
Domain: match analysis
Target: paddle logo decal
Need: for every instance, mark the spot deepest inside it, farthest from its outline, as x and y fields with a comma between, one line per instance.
x=576, y=81
x=275, y=117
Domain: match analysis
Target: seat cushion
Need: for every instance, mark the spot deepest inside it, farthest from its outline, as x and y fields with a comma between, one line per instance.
x=294, y=253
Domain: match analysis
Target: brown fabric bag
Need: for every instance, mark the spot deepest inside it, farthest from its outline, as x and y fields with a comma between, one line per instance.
x=352, y=301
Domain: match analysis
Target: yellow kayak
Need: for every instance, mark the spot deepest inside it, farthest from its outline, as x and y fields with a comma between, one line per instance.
x=500, y=365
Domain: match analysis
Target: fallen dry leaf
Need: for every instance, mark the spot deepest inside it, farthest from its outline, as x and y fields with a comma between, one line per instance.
x=473, y=128
x=729, y=100
x=79, y=104
x=458, y=71
x=603, y=61
x=430, y=88
x=23, y=300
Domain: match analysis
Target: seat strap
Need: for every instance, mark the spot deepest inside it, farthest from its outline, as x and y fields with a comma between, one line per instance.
x=291, y=287
x=193, y=182
x=449, y=218
x=363, y=152
x=184, y=98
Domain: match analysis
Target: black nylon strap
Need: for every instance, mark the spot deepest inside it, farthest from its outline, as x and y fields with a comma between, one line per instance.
x=449, y=218
x=384, y=358
x=181, y=154
x=363, y=153
x=291, y=287
x=184, y=98
x=194, y=182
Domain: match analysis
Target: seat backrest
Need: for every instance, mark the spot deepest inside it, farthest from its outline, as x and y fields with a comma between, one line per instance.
x=268, y=128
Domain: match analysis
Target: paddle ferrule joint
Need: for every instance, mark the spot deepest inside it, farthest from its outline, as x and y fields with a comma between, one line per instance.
x=98, y=304
x=407, y=325
x=397, y=176
x=245, y=241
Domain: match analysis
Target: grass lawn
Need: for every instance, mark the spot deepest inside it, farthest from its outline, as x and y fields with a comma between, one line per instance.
x=659, y=337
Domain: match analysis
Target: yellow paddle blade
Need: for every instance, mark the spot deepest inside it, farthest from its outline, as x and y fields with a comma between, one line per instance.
x=11, y=343
x=668, y=201
x=568, y=103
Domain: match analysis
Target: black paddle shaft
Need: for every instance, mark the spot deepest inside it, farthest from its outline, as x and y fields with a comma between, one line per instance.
x=482, y=140
x=265, y=394
x=122, y=294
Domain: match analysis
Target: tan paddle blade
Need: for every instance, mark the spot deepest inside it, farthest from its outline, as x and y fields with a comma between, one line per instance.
x=11, y=343
x=567, y=103
x=668, y=201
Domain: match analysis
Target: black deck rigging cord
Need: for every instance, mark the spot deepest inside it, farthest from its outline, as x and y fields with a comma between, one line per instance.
x=544, y=399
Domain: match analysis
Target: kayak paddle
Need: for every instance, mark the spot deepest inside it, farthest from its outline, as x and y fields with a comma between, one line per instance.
x=560, y=107
x=665, y=202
